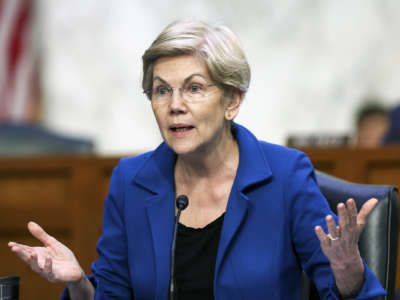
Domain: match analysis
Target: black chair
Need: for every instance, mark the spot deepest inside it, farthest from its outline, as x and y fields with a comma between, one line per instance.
x=378, y=242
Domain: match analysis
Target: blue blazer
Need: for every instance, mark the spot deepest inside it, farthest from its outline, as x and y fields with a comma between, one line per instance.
x=266, y=240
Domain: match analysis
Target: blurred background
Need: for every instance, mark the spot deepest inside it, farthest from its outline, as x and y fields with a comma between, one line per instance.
x=72, y=69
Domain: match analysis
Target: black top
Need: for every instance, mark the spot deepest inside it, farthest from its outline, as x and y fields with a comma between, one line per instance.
x=196, y=254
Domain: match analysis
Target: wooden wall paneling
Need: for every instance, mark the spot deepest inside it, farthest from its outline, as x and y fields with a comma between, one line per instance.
x=330, y=161
x=387, y=173
x=33, y=194
x=83, y=188
x=38, y=190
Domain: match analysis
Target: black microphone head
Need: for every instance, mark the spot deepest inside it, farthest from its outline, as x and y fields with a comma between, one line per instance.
x=182, y=202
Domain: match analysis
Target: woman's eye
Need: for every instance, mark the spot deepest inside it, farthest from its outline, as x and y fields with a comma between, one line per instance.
x=195, y=88
x=161, y=90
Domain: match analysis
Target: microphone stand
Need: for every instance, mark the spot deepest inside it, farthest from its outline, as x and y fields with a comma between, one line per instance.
x=182, y=202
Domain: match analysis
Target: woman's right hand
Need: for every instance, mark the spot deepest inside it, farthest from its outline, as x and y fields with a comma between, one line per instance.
x=54, y=260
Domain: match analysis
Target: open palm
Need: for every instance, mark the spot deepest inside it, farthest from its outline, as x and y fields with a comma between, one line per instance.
x=340, y=245
x=54, y=261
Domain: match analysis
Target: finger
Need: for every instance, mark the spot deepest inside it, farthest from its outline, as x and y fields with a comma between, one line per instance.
x=40, y=234
x=323, y=238
x=339, y=231
x=15, y=244
x=22, y=251
x=343, y=215
x=34, y=263
x=352, y=212
x=332, y=229
x=366, y=209
x=48, y=269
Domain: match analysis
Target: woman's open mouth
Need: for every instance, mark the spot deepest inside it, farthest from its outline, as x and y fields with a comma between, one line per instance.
x=180, y=129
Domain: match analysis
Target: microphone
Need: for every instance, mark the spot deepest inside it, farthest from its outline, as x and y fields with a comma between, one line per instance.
x=182, y=202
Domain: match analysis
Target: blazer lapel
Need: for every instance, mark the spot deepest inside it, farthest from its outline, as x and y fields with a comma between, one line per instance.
x=253, y=169
x=160, y=213
x=157, y=176
x=234, y=216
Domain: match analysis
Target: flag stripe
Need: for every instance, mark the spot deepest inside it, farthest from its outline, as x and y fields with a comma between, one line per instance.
x=19, y=65
x=21, y=91
x=16, y=58
x=16, y=45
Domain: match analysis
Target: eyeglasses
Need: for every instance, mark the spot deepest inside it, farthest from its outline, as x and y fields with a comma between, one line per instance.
x=190, y=92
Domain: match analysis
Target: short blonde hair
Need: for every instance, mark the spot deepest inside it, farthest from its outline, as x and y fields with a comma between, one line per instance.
x=218, y=46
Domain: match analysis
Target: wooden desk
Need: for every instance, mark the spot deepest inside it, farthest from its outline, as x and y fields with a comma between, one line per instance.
x=66, y=196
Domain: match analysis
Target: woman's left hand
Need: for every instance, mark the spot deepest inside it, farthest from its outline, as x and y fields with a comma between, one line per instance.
x=340, y=245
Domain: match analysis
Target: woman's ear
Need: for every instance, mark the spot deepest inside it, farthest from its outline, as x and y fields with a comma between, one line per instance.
x=233, y=102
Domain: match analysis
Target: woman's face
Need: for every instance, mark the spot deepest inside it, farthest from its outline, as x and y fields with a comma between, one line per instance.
x=190, y=127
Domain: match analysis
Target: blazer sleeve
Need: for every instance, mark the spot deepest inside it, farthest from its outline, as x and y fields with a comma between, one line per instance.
x=308, y=208
x=111, y=270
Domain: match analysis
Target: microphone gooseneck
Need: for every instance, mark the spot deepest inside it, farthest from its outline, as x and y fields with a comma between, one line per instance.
x=182, y=202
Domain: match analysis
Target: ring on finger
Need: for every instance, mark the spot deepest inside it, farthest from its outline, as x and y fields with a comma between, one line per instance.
x=331, y=237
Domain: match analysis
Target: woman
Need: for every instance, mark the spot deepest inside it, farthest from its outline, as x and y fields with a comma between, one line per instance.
x=248, y=230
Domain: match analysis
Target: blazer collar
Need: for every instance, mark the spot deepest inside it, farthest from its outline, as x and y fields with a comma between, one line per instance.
x=157, y=172
x=253, y=165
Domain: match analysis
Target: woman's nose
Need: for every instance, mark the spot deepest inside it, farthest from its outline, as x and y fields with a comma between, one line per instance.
x=177, y=103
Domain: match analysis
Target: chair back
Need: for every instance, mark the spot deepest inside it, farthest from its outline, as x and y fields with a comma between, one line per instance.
x=378, y=241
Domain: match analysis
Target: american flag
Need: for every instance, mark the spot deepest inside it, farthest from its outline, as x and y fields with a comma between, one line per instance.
x=18, y=76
